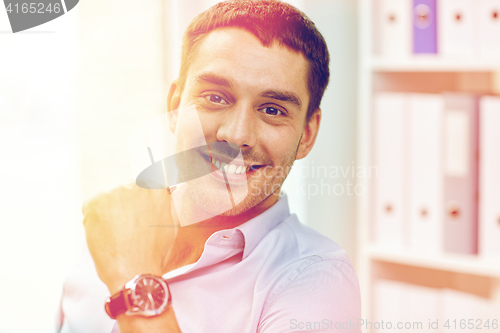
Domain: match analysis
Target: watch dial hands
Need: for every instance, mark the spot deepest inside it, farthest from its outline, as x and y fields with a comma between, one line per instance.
x=151, y=300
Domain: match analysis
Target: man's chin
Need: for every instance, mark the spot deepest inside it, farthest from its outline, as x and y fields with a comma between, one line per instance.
x=219, y=204
x=238, y=209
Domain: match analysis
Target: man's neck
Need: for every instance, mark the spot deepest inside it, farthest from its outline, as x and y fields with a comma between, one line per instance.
x=190, y=240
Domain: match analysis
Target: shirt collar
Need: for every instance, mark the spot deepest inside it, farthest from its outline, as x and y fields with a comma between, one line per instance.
x=225, y=243
x=255, y=229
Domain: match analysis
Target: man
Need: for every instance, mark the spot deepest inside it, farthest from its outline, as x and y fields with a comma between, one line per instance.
x=255, y=73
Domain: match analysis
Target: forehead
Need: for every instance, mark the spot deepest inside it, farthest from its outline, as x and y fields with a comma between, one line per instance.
x=238, y=55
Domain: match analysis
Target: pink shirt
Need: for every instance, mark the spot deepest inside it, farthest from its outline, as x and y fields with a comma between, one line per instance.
x=271, y=274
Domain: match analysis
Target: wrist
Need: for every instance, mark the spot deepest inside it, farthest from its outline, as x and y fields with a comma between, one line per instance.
x=165, y=322
x=118, y=281
x=145, y=295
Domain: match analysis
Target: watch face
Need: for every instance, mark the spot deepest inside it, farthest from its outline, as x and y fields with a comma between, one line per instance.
x=149, y=295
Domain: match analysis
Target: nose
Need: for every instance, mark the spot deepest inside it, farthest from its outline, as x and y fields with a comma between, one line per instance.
x=239, y=126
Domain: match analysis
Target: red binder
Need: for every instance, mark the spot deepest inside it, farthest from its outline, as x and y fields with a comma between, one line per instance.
x=460, y=172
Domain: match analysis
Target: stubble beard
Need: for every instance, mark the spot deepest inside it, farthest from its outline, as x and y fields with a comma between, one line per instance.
x=265, y=182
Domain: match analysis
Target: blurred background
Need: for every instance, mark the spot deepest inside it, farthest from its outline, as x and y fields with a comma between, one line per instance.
x=395, y=178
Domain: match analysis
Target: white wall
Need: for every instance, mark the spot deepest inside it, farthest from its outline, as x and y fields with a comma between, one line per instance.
x=71, y=91
x=332, y=211
x=39, y=163
x=121, y=84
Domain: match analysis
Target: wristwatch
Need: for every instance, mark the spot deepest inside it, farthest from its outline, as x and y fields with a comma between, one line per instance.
x=145, y=295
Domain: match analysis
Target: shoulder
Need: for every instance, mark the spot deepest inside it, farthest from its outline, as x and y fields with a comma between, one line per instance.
x=295, y=240
x=326, y=279
x=323, y=295
x=315, y=282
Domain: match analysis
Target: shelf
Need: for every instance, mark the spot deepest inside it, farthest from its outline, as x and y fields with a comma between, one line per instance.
x=432, y=64
x=433, y=74
x=466, y=264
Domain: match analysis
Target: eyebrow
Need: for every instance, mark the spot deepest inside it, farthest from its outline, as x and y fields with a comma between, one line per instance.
x=214, y=79
x=283, y=96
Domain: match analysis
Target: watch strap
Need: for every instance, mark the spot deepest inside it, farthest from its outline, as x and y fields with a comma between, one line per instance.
x=117, y=304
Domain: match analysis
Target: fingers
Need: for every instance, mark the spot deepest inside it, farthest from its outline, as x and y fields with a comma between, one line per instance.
x=84, y=209
x=170, y=190
x=130, y=202
x=87, y=208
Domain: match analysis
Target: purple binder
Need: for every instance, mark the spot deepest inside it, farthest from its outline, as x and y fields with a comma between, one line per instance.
x=424, y=26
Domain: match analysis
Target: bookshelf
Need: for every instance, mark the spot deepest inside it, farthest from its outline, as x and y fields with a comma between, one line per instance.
x=456, y=263
x=422, y=74
x=432, y=64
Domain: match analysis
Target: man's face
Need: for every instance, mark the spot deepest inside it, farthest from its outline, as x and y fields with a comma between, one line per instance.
x=255, y=97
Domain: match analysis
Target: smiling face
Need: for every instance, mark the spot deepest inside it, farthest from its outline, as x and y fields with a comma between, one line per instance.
x=251, y=96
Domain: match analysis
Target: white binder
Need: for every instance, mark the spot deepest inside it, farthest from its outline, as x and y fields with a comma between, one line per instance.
x=425, y=172
x=424, y=306
x=458, y=28
x=489, y=29
x=392, y=26
x=464, y=308
x=489, y=178
x=390, y=149
x=391, y=303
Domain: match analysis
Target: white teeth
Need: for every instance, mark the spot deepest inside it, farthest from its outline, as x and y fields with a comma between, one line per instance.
x=230, y=168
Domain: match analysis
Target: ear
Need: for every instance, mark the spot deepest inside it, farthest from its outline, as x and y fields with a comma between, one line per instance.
x=309, y=135
x=173, y=102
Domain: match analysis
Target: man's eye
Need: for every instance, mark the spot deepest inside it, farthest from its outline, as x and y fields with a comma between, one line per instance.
x=271, y=111
x=215, y=99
